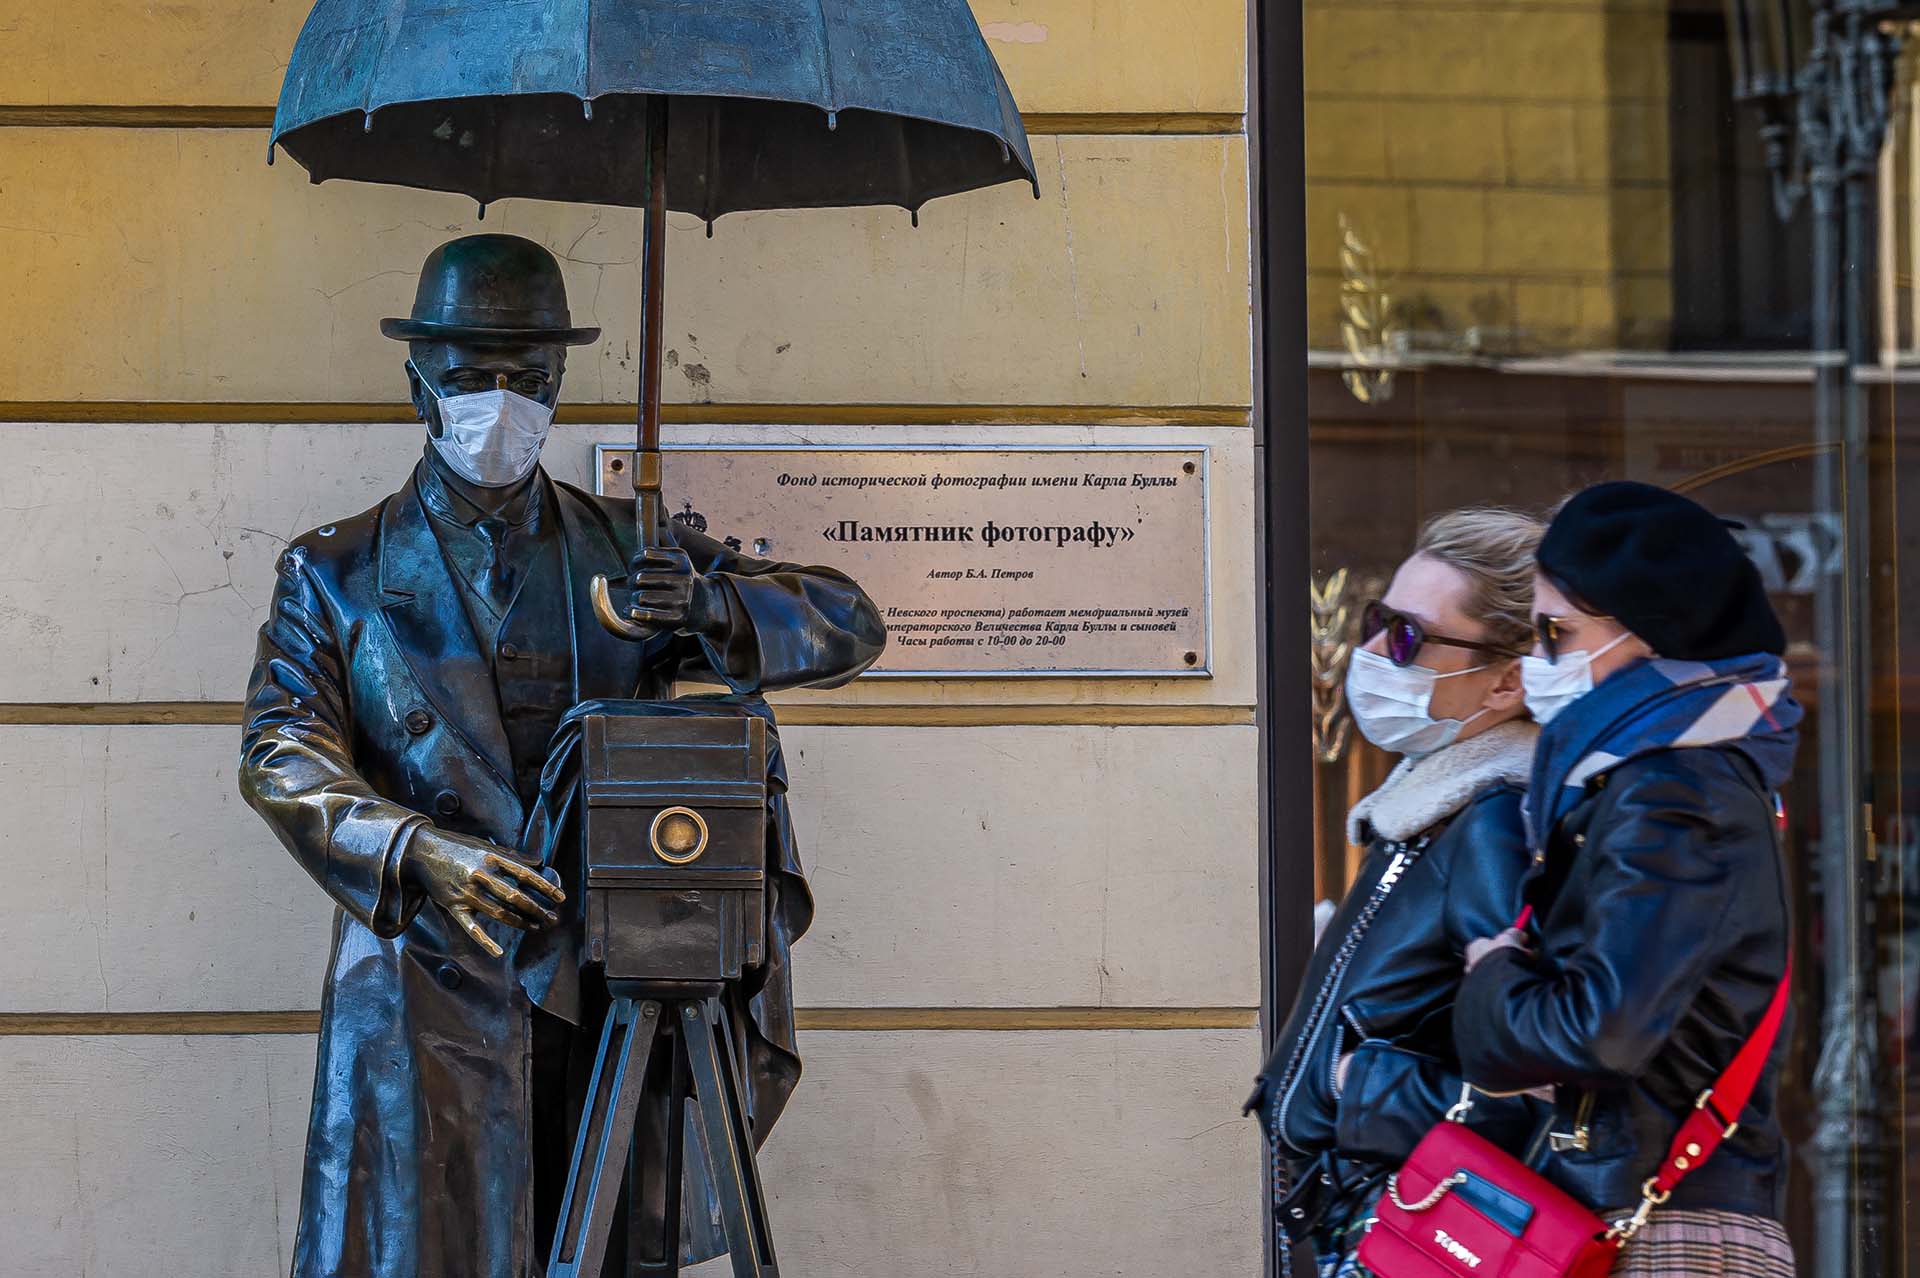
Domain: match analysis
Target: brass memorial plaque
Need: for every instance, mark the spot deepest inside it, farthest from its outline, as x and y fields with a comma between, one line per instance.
x=985, y=561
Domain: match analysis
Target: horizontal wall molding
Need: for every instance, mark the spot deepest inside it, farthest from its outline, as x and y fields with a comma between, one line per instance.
x=724, y=414
x=1039, y=123
x=85, y=116
x=881, y=1019
x=848, y=1019
x=1154, y=122
x=217, y=713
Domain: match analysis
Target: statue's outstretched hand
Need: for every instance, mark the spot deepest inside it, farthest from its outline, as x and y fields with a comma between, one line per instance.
x=668, y=594
x=470, y=876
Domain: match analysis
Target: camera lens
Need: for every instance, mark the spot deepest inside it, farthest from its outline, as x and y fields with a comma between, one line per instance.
x=678, y=835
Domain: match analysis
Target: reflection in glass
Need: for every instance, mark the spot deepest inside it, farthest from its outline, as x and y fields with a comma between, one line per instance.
x=1675, y=241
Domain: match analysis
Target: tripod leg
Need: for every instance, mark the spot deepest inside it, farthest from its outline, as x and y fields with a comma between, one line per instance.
x=606, y=1132
x=654, y=1179
x=737, y=1111
x=726, y=1142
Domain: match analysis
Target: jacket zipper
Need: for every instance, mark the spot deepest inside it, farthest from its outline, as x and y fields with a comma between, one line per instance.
x=1349, y=1024
x=1581, y=1137
x=1333, y=1058
x=1323, y=1003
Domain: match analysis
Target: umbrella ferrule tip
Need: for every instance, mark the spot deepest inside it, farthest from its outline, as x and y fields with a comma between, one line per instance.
x=833, y=120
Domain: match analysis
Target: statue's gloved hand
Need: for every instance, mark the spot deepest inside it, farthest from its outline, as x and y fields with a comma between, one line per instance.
x=470, y=876
x=669, y=595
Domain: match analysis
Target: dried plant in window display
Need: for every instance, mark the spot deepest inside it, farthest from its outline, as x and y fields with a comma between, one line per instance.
x=1366, y=320
x=1330, y=619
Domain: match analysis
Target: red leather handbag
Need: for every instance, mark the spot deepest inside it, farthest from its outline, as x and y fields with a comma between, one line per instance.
x=1462, y=1206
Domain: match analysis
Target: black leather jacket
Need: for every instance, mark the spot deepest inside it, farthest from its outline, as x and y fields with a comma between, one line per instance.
x=1664, y=930
x=1381, y=985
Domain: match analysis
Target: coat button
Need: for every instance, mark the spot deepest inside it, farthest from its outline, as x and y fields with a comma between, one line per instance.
x=446, y=803
x=418, y=721
x=509, y=652
x=450, y=975
x=1580, y=840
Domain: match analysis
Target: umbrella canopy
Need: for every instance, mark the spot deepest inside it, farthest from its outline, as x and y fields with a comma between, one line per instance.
x=770, y=103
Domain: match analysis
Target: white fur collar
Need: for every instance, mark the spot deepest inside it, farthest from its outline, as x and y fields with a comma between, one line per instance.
x=1421, y=792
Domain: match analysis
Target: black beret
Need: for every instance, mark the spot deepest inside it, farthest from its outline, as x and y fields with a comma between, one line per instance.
x=1665, y=567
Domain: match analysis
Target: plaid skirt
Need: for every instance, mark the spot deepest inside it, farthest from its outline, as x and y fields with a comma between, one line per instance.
x=1673, y=1244
x=1707, y=1244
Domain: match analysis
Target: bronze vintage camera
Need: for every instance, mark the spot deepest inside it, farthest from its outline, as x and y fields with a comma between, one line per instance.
x=674, y=849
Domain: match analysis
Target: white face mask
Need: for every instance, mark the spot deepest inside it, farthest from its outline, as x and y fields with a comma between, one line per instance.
x=1389, y=705
x=490, y=438
x=1552, y=686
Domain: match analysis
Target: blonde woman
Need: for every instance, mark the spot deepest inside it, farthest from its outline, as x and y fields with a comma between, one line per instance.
x=1365, y=1063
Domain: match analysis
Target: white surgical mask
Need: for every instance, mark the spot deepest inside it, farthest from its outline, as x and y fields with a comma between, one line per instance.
x=1389, y=705
x=1552, y=686
x=490, y=438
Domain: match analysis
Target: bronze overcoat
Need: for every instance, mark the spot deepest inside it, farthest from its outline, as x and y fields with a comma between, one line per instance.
x=372, y=711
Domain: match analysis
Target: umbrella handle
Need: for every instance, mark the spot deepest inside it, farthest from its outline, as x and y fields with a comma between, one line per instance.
x=609, y=617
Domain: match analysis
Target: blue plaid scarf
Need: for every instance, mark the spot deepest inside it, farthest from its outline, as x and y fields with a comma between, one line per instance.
x=1659, y=704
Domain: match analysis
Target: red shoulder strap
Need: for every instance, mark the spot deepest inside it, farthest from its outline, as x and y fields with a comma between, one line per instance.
x=1716, y=1114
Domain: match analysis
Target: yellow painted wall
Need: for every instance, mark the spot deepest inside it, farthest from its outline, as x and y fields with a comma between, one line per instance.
x=173, y=264
x=1505, y=162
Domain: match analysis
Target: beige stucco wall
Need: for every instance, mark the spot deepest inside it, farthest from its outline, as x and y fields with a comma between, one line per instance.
x=1027, y=1002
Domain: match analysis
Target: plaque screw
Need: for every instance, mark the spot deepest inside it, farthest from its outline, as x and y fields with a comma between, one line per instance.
x=1191, y=658
x=616, y=465
x=1188, y=467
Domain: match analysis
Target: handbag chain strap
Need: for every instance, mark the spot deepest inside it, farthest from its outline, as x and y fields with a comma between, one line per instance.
x=1428, y=1203
x=1714, y=1118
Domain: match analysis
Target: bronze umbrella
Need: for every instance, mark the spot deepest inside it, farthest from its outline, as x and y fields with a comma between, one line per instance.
x=702, y=106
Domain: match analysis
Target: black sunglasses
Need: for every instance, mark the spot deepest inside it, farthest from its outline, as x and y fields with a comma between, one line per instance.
x=1549, y=630
x=1405, y=635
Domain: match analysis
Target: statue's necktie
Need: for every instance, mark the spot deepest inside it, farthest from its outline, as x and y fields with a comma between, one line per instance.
x=495, y=582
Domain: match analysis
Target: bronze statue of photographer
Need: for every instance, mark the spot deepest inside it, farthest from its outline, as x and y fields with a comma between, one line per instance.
x=413, y=669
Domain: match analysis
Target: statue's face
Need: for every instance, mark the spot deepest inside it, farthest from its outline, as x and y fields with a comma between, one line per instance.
x=462, y=368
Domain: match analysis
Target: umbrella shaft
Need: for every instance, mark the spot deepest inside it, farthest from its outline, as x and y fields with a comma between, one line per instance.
x=653, y=281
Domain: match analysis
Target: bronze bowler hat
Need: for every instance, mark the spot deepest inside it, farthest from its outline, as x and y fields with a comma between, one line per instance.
x=490, y=288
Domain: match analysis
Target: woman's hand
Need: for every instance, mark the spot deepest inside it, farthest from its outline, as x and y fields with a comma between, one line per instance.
x=1509, y=939
x=1512, y=938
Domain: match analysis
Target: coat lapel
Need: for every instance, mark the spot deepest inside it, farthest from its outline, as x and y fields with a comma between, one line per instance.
x=421, y=603
x=604, y=665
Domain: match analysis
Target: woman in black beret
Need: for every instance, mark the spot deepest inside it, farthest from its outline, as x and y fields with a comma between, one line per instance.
x=1660, y=935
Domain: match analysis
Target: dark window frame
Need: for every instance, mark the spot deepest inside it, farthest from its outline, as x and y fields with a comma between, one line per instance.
x=1277, y=154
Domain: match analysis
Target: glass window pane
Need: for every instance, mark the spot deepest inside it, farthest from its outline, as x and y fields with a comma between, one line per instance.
x=1548, y=246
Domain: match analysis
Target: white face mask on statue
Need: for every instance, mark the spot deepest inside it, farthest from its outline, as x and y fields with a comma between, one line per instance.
x=1389, y=705
x=490, y=438
x=1552, y=686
